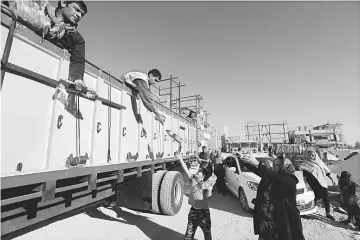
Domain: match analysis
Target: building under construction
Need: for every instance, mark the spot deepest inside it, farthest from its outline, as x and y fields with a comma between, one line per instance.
x=329, y=134
x=325, y=135
x=267, y=133
x=190, y=107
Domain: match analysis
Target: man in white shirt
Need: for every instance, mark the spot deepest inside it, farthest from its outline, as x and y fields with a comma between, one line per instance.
x=143, y=82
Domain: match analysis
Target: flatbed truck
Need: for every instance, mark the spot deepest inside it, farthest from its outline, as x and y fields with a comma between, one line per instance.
x=129, y=163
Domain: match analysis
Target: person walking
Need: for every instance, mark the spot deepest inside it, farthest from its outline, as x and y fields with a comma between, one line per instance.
x=315, y=172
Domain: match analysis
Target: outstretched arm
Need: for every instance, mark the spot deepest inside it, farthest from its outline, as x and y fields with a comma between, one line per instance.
x=254, y=169
x=177, y=153
x=147, y=100
x=252, y=164
x=183, y=165
x=327, y=170
x=75, y=44
x=144, y=95
x=269, y=174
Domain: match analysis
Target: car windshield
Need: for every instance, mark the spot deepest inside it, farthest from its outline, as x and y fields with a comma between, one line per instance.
x=245, y=169
x=248, y=145
x=235, y=145
x=270, y=160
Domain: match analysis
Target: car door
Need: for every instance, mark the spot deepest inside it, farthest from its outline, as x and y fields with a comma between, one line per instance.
x=230, y=175
x=238, y=177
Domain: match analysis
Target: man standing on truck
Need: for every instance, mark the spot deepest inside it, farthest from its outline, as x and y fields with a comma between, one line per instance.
x=143, y=82
x=63, y=27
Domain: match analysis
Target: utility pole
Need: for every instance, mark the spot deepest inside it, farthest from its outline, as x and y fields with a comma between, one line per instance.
x=171, y=83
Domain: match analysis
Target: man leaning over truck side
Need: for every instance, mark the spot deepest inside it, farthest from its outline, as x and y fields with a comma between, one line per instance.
x=63, y=28
x=143, y=82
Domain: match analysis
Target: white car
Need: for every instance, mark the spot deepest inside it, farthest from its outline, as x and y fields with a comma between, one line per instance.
x=243, y=183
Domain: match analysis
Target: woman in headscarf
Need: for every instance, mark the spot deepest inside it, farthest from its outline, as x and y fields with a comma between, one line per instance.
x=276, y=216
x=315, y=172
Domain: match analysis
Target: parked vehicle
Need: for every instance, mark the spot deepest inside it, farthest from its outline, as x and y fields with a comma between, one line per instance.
x=247, y=146
x=243, y=184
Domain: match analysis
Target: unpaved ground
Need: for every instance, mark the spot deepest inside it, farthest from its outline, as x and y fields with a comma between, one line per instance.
x=228, y=222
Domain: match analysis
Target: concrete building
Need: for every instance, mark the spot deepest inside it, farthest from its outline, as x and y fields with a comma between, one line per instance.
x=329, y=134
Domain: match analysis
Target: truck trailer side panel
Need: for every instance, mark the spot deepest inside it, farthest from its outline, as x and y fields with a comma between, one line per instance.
x=167, y=139
x=145, y=134
x=39, y=134
x=26, y=110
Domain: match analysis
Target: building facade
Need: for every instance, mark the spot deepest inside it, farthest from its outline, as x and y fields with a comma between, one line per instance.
x=329, y=134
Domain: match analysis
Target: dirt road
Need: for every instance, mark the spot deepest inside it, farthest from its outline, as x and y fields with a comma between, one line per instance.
x=228, y=222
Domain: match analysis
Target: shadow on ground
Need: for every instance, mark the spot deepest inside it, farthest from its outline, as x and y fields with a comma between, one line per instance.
x=151, y=229
x=229, y=203
x=327, y=221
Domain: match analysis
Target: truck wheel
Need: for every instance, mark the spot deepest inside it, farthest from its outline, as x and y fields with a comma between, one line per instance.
x=243, y=200
x=156, y=182
x=172, y=192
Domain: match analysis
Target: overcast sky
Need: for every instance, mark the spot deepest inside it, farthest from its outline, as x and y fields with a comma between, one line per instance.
x=262, y=61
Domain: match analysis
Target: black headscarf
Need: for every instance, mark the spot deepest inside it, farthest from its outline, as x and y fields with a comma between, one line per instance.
x=264, y=165
x=287, y=166
x=345, y=176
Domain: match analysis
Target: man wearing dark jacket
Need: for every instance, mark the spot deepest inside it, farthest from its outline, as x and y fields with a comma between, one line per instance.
x=205, y=155
x=63, y=28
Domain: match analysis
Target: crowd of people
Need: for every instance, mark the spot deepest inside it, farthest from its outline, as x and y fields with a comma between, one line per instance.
x=275, y=215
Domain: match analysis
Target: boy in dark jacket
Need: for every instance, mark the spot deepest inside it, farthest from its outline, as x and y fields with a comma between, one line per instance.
x=64, y=21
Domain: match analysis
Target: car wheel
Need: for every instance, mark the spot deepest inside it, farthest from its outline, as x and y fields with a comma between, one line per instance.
x=243, y=200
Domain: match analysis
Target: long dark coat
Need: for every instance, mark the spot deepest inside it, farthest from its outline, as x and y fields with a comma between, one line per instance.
x=286, y=215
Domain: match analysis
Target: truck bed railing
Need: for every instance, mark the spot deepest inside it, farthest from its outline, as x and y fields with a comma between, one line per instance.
x=14, y=69
x=9, y=40
x=16, y=19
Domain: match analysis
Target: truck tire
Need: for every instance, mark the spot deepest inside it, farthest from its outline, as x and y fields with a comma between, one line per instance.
x=172, y=193
x=156, y=182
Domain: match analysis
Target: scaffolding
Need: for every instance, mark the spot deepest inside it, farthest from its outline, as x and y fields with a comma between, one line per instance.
x=267, y=133
x=190, y=107
x=173, y=84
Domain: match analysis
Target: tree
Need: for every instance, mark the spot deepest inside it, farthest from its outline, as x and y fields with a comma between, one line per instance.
x=357, y=145
x=348, y=146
